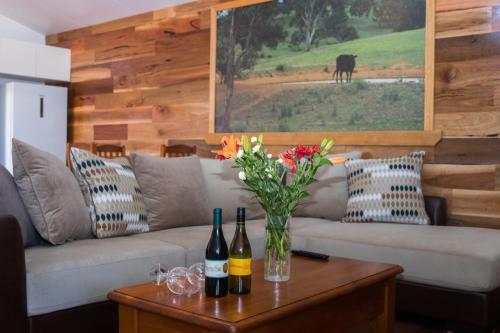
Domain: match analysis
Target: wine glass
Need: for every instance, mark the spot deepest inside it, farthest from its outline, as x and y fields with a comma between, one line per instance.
x=179, y=280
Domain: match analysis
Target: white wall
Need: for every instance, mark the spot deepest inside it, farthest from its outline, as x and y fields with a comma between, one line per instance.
x=13, y=30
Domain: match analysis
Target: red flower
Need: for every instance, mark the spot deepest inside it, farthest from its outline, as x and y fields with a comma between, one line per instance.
x=288, y=160
x=299, y=152
x=305, y=151
x=290, y=164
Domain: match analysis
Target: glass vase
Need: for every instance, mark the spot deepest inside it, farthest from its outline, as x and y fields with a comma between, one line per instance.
x=278, y=246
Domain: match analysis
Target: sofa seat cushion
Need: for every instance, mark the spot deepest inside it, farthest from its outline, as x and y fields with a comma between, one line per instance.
x=84, y=271
x=194, y=239
x=453, y=257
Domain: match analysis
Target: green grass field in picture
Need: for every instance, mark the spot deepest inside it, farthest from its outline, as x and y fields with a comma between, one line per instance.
x=377, y=51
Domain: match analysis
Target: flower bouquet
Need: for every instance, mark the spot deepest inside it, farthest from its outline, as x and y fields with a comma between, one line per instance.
x=279, y=184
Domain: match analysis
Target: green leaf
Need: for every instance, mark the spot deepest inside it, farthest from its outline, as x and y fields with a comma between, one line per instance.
x=246, y=144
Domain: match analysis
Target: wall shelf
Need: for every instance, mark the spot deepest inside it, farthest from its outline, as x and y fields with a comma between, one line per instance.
x=389, y=138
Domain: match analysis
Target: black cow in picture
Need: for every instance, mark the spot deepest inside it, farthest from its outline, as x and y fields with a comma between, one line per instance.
x=345, y=64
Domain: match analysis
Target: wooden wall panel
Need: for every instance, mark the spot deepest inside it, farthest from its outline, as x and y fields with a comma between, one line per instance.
x=143, y=80
x=464, y=22
x=111, y=132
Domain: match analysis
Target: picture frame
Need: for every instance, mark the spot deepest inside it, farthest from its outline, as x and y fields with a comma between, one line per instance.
x=426, y=137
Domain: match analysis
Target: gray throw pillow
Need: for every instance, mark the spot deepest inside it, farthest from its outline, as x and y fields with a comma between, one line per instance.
x=50, y=194
x=227, y=191
x=173, y=191
x=328, y=196
x=12, y=204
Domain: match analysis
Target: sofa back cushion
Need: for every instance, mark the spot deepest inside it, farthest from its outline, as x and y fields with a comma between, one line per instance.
x=12, y=204
x=50, y=194
x=111, y=192
x=226, y=191
x=173, y=191
x=328, y=196
x=386, y=190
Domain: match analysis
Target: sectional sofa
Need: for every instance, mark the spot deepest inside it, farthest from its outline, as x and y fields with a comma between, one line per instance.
x=450, y=273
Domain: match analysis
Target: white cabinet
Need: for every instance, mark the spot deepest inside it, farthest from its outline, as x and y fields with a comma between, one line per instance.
x=32, y=60
x=17, y=58
x=33, y=113
x=53, y=63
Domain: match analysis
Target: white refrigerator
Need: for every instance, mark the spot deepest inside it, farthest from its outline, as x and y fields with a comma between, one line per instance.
x=33, y=113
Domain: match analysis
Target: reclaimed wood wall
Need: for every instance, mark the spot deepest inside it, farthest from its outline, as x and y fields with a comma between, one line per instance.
x=143, y=80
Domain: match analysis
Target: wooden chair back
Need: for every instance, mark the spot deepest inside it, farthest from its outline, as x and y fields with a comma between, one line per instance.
x=109, y=151
x=177, y=150
x=80, y=145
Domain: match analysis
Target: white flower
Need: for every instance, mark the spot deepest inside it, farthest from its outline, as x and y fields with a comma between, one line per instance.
x=240, y=153
x=256, y=148
x=280, y=161
x=253, y=139
x=269, y=175
x=241, y=175
x=269, y=155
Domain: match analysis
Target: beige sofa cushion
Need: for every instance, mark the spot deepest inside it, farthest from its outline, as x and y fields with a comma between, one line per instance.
x=328, y=196
x=50, y=194
x=12, y=204
x=173, y=191
x=226, y=191
x=83, y=272
x=453, y=257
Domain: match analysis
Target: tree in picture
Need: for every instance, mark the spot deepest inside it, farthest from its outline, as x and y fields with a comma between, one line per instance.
x=241, y=33
x=317, y=19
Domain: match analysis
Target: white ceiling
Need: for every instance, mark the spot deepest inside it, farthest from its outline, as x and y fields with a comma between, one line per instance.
x=53, y=16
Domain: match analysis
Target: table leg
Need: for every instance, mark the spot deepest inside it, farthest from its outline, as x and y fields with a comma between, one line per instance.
x=128, y=319
x=384, y=323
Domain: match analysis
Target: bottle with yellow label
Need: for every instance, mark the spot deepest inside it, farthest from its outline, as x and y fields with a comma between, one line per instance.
x=240, y=258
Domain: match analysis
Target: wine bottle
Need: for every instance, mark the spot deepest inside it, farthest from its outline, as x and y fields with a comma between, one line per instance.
x=240, y=258
x=216, y=260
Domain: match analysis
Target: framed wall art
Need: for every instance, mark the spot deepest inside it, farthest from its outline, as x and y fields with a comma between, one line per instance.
x=358, y=70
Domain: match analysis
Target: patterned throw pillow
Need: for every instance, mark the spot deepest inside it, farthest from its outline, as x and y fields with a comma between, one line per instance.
x=386, y=190
x=112, y=195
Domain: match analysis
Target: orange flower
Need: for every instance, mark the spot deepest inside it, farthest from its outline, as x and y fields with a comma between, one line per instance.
x=338, y=160
x=230, y=146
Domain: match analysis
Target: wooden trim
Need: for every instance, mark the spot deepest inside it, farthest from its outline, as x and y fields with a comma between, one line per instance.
x=390, y=138
x=213, y=56
x=427, y=137
x=236, y=4
x=430, y=45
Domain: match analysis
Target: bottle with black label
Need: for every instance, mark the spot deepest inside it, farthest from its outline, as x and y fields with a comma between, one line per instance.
x=240, y=258
x=216, y=260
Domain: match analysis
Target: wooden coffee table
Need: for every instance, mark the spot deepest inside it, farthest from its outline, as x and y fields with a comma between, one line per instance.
x=320, y=297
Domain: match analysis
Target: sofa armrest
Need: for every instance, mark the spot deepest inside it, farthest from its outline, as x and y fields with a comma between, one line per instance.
x=13, y=308
x=436, y=210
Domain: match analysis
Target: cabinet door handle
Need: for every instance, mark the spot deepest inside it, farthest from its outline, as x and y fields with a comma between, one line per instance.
x=41, y=107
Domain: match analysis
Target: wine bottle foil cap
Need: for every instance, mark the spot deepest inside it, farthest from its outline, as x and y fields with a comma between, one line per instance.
x=240, y=213
x=217, y=210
